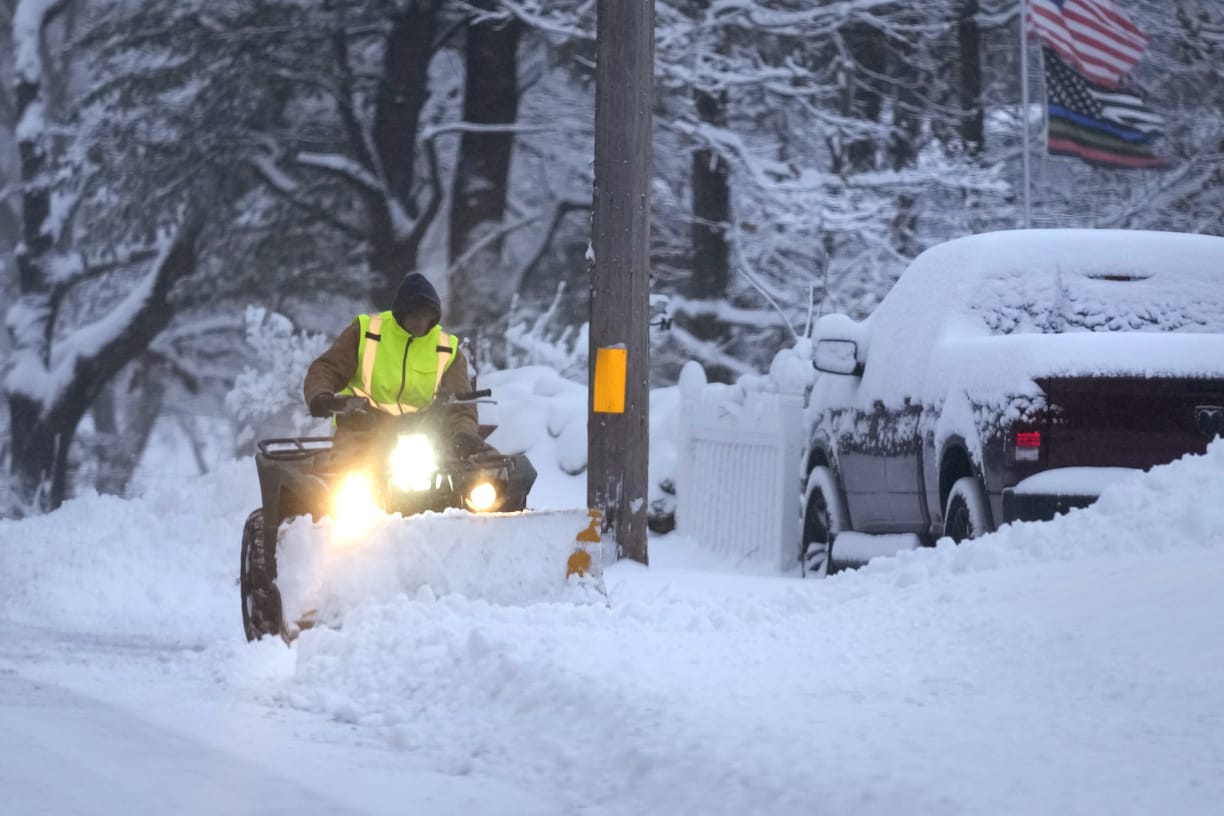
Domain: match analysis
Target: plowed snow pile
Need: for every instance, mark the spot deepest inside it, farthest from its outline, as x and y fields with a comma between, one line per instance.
x=161, y=567
x=1070, y=667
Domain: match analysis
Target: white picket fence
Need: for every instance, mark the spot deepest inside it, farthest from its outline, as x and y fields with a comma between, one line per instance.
x=737, y=491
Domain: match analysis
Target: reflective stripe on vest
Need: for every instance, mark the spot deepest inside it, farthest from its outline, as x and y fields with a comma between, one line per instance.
x=444, y=353
x=368, y=352
x=367, y=361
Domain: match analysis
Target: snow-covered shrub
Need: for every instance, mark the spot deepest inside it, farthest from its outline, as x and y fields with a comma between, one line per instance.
x=790, y=372
x=269, y=392
x=530, y=340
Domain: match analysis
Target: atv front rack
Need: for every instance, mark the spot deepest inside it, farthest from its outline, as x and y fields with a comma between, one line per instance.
x=294, y=447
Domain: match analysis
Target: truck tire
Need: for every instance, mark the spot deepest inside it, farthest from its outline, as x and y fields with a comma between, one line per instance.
x=967, y=514
x=261, y=601
x=822, y=520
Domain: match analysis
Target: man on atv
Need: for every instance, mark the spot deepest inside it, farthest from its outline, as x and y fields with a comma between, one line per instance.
x=399, y=361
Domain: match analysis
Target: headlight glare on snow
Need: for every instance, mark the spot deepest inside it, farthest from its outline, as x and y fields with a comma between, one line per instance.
x=354, y=507
x=413, y=464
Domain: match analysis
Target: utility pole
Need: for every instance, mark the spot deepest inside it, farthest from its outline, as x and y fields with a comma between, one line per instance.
x=619, y=400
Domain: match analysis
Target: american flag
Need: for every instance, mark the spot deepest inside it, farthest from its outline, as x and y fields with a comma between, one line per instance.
x=1091, y=35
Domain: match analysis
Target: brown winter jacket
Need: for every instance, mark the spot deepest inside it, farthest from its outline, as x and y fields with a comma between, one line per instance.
x=332, y=370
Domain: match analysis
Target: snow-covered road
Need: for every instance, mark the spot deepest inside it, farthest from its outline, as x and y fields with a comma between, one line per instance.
x=65, y=753
x=1072, y=668
x=95, y=727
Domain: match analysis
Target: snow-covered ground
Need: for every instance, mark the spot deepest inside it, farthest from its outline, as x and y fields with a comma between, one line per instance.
x=1071, y=667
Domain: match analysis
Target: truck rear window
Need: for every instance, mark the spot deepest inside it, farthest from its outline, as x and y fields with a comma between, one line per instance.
x=1099, y=300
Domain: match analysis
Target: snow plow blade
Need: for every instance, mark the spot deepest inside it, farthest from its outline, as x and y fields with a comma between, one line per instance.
x=507, y=559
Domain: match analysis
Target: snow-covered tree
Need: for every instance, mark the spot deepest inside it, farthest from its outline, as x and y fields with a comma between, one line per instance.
x=58, y=366
x=165, y=163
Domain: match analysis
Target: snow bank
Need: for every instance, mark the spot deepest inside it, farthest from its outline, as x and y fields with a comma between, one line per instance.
x=161, y=567
x=1171, y=507
x=542, y=414
x=698, y=690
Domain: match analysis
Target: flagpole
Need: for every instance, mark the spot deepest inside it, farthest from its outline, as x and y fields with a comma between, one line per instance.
x=1024, y=112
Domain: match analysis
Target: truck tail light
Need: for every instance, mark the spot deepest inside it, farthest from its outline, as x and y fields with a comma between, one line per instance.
x=1028, y=446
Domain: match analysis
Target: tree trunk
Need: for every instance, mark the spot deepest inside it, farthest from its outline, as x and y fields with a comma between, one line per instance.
x=711, y=208
x=402, y=94
x=124, y=435
x=35, y=448
x=10, y=224
x=711, y=270
x=38, y=460
x=869, y=48
x=903, y=151
x=972, y=118
x=478, y=197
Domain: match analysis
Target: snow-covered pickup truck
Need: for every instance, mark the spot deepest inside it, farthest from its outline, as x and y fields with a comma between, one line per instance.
x=1012, y=376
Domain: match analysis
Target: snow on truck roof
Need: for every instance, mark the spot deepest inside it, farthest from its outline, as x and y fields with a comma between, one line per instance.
x=995, y=310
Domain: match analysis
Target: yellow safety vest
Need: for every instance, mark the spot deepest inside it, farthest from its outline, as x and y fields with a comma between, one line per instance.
x=396, y=372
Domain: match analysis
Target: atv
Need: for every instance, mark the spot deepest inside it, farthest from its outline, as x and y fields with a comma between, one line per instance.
x=375, y=462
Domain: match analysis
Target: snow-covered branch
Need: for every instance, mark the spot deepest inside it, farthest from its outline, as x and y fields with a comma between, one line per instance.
x=30, y=19
x=73, y=268
x=515, y=281
x=433, y=204
x=491, y=238
x=343, y=167
x=101, y=347
x=539, y=341
x=474, y=127
x=290, y=190
x=725, y=312
x=270, y=171
x=708, y=353
x=565, y=24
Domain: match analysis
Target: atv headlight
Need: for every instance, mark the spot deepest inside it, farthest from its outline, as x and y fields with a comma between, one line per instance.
x=412, y=463
x=482, y=497
x=354, y=506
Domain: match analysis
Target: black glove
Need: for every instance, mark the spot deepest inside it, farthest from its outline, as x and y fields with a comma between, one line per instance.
x=466, y=443
x=324, y=405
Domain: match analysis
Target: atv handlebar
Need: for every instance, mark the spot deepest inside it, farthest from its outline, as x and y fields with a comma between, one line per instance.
x=350, y=406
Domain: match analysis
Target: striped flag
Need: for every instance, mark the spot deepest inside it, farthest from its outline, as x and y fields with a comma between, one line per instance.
x=1127, y=109
x=1091, y=35
x=1102, y=126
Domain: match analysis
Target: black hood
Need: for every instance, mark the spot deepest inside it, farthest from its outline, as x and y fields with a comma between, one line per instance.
x=417, y=294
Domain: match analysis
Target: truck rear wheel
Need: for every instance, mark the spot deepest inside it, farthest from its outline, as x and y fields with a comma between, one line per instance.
x=967, y=514
x=822, y=521
x=261, y=602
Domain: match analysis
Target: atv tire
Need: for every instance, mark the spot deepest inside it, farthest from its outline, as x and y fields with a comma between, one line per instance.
x=261, y=601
